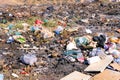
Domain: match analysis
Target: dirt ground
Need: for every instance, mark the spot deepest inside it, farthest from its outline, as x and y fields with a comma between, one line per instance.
x=54, y=68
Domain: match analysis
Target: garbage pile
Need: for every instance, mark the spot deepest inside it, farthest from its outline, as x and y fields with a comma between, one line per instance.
x=79, y=42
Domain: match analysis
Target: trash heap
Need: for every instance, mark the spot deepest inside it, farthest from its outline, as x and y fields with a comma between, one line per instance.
x=85, y=49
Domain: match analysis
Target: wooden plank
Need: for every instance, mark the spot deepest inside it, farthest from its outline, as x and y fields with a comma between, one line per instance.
x=115, y=66
x=76, y=76
x=107, y=75
x=101, y=65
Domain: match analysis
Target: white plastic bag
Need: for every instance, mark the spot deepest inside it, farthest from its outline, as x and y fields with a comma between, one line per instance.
x=29, y=59
x=71, y=46
x=93, y=59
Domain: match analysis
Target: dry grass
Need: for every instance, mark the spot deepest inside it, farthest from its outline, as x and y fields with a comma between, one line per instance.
x=19, y=2
x=10, y=2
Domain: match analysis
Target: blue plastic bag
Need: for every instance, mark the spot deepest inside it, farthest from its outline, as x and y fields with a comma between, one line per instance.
x=73, y=53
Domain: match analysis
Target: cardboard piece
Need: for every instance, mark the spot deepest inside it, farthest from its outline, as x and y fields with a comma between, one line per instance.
x=100, y=66
x=107, y=75
x=118, y=30
x=76, y=76
x=115, y=66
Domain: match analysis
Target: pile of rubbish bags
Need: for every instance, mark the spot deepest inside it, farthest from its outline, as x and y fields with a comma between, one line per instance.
x=96, y=45
x=79, y=48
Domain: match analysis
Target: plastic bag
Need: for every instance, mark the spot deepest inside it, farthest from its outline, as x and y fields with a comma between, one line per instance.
x=10, y=40
x=81, y=41
x=73, y=53
x=58, y=30
x=115, y=53
x=93, y=59
x=117, y=60
x=29, y=59
x=71, y=46
x=80, y=57
x=96, y=52
x=19, y=38
x=10, y=26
